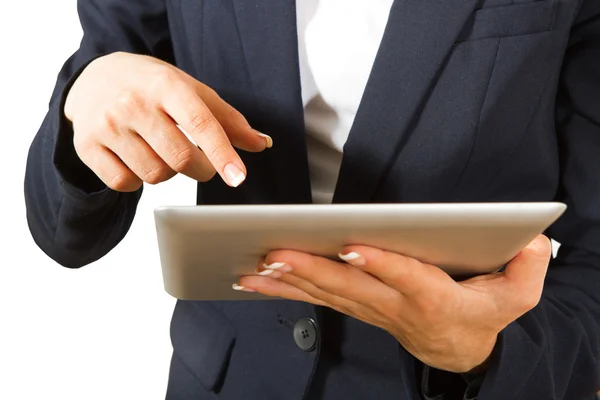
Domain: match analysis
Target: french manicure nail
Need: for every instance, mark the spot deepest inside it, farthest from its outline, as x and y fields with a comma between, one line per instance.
x=353, y=258
x=279, y=266
x=275, y=265
x=267, y=138
x=234, y=175
x=271, y=273
x=266, y=272
x=239, y=288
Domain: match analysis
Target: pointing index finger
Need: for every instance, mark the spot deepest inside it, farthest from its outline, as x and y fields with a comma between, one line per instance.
x=184, y=105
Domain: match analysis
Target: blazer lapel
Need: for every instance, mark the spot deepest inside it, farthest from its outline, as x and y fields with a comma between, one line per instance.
x=269, y=38
x=417, y=41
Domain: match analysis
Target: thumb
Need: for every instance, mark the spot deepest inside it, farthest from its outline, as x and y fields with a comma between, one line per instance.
x=521, y=285
x=531, y=264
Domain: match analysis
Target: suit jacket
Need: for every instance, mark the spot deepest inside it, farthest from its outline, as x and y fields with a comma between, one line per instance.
x=468, y=100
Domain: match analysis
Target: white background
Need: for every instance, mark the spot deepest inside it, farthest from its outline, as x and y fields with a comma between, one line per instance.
x=101, y=332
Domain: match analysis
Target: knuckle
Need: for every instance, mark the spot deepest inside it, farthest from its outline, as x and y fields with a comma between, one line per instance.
x=182, y=159
x=156, y=175
x=166, y=77
x=406, y=274
x=429, y=305
x=414, y=265
x=426, y=305
x=166, y=82
x=81, y=144
x=202, y=123
x=107, y=130
x=217, y=154
x=541, y=247
x=129, y=102
x=106, y=124
x=387, y=308
x=120, y=182
x=411, y=268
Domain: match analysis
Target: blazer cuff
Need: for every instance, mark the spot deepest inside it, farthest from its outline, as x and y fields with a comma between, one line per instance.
x=77, y=180
x=474, y=383
x=443, y=385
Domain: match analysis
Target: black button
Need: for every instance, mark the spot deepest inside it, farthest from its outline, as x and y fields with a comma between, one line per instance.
x=306, y=334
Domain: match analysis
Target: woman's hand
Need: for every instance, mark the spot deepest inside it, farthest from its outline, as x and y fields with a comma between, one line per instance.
x=126, y=110
x=448, y=325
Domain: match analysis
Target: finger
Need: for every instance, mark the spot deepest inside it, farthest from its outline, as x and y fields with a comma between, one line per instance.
x=274, y=288
x=328, y=280
x=318, y=293
x=171, y=145
x=524, y=276
x=195, y=118
x=138, y=156
x=404, y=274
x=239, y=131
x=110, y=169
x=531, y=264
x=294, y=288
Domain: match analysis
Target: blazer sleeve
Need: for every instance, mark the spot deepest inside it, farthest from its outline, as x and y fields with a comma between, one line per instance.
x=73, y=217
x=553, y=351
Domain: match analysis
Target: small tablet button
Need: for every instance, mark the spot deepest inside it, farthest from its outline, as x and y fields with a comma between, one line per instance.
x=306, y=334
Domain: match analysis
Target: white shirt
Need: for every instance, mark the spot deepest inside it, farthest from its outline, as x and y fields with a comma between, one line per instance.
x=337, y=44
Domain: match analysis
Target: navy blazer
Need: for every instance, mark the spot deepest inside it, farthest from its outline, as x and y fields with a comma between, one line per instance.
x=468, y=100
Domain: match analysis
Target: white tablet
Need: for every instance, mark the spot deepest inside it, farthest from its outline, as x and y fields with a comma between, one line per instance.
x=205, y=249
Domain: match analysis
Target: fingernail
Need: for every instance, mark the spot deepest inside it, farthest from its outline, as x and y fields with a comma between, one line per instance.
x=279, y=266
x=353, y=258
x=234, y=175
x=271, y=273
x=266, y=272
x=267, y=138
x=239, y=288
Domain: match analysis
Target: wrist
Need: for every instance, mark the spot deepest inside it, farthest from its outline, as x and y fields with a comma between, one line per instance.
x=480, y=364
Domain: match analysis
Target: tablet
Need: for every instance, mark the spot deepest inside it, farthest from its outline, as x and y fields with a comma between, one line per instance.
x=205, y=249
